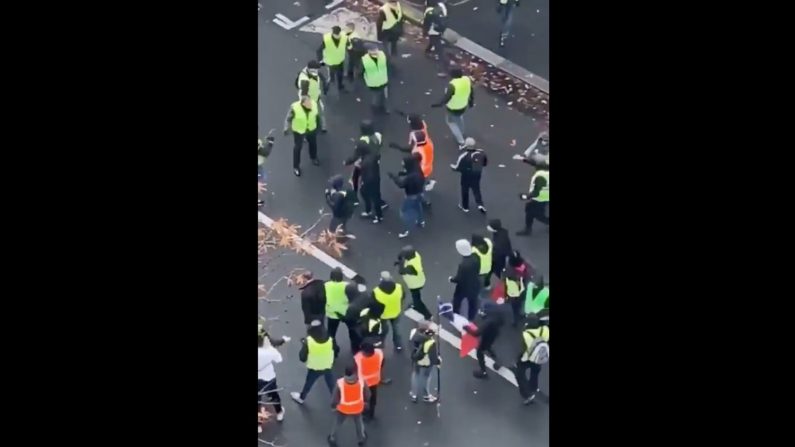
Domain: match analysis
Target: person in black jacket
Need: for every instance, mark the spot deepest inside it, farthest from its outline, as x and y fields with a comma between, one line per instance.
x=373, y=138
x=313, y=299
x=355, y=49
x=370, y=167
x=467, y=280
x=433, y=25
x=502, y=248
x=340, y=199
x=488, y=325
x=413, y=184
x=470, y=164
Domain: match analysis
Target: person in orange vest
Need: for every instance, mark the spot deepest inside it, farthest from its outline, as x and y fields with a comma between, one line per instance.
x=420, y=143
x=349, y=399
x=369, y=361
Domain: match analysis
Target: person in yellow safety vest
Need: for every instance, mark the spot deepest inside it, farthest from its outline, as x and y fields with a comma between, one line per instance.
x=332, y=53
x=312, y=82
x=482, y=246
x=458, y=97
x=535, y=353
x=302, y=121
x=390, y=294
x=317, y=351
x=355, y=49
x=263, y=152
x=425, y=358
x=389, y=25
x=410, y=266
x=517, y=277
x=537, y=198
x=376, y=77
x=336, y=304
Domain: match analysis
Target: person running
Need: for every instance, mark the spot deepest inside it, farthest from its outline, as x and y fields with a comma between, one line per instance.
x=467, y=280
x=390, y=294
x=340, y=200
x=317, y=351
x=267, y=356
x=534, y=354
x=458, y=98
x=413, y=184
x=420, y=143
x=425, y=359
x=434, y=24
x=349, y=399
x=302, y=121
x=470, y=164
x=488, y=329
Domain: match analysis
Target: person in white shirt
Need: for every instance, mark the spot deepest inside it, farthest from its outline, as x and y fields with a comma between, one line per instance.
x=267, y=356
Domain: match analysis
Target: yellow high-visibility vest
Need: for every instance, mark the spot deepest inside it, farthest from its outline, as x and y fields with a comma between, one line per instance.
x=334, y=54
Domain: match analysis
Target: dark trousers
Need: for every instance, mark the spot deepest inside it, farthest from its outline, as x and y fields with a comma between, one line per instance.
x=333, y=325
x=356, y=340
x=527, y=387
x=356, y=179
x=337, y=72
x=298, y=144
x=472, y=306
x=470, y=181
x=517, y=305
x=497, y=266
x=273, y=396
x=354, y=60
x=534, y=211
x=390, y=40
x=436, y=45
x=370, y=411
x=340, y=222
x=371, y=194
x=480, y=353
x=418, y=305
x=312, y=376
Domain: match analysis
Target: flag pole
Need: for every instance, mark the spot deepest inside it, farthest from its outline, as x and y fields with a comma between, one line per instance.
x=438, y=352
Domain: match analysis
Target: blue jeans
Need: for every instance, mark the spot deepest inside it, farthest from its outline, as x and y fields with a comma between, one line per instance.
x=312, y=376
x=421, y=380
x=411, y=211
x=506, y=17
x=456, y=124
x=396, y=338
x=261, y=173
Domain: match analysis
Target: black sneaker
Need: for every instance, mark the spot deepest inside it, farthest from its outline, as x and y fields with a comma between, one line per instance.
x=331, y=441
x=316, y=162
x=297, y=172
x=324, y=131
x=480, y=374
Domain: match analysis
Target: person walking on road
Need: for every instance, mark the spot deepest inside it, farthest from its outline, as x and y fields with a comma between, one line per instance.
x=502, y=248
x=537, y=198
x=355, y=49
x=458, y=98
x=390, y=294
x=263, y=152
x=302, y=120
x=483, y=247
x=312, y=82
x=313, y=298
x=410, y=266
x=376, y=78
x=425, y=358
x=467, y=280
x=369, y=162
x=517, y=278
x=332, y=53
x=317, y=351
x=369, y=362
x=389, y=25
x=433, y=26
x=488, y=329
x=341, y=200
x=336, y=304
x=349, y=400
x=470, y=164
x=420, y=143
x=535, y=353
x=413, y=184
x=505, y=10
x=267, y=356
x=539, y=148
x=374, y=141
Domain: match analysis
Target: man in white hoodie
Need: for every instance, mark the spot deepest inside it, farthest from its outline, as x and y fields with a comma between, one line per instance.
x=267, y=356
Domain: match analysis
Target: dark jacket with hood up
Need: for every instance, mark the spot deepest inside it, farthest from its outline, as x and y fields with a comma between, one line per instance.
x=467, y=278
x=502, y=243
x=313, y=300
x=411, y=178
x=370, y=163
x=320, y=335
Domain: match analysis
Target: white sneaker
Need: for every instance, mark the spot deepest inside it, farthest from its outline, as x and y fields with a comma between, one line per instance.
x=430, y=398
x=466, y=210
x=350, y=236
x=280, y=415
x=430, y=185
x=482, y=209
x=259, y=429
x=297, y=397
x=403, y=234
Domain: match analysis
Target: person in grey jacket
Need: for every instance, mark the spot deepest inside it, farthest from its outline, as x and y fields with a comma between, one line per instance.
x=350, y=377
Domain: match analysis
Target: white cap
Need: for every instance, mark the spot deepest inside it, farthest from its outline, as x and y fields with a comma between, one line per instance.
x=386, y=276
x=463, y=247
x=469, y=142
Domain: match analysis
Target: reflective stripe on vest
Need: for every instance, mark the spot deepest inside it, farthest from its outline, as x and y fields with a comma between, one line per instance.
x=531, y=334
x=351, y=35
x=390, y=301
x=414, y=281
x=370, y=367
x=334, y=54
x=375, y=72
x=336, y=300
x=426, y=347
x=320, y=356
x=543, y=196
x=351, y=397
x=304, y=121
x=389, y=13
x=371, y=323
x=536, y=304
x=314, y=85
x=485, y=258
x=463, y=88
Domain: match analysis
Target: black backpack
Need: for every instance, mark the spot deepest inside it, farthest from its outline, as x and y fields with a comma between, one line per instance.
x=478, y=161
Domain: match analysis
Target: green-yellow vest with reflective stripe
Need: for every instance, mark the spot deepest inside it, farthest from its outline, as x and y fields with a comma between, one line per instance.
x=304, y=121
x=389, y=13
x=350, y=36
x=485, y=258
x=535, y=304
x=414, y=281
x=513, y=288
x=543, y=196
x=390, y=301
x=375, y=74
x=314, y=85
x=426, y=347
x=336, y=300
x=334, y=54
x=463, y=88
x=319, y=356
x=531, y=334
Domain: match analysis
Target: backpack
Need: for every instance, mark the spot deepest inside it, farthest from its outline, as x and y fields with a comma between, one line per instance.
x=477, y=161
x=538, y=351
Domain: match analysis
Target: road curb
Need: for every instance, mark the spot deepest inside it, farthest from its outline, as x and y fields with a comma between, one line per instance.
x=414, y=15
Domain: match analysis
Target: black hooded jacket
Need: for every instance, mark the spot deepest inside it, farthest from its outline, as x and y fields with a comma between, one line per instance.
x=502, y=244
x=370, y=162
x=467, y=278
x=313, y=300
x=488, y=325
x=411, y=179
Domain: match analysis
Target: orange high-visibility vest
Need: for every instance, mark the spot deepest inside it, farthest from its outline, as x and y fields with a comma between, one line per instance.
x=370, y=367
x=423, y=144
x=351, y=397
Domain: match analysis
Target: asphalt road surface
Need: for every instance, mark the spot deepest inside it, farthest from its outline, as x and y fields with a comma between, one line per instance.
x=473, y=412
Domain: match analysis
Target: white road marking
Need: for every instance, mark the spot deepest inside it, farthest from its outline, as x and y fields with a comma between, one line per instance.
x=282, y=24
x=339, y=17
x=288, y=24
x=334, y=3
x=446, y=335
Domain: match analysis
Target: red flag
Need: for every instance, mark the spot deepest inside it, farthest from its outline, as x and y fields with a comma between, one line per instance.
x=468, y=342
x=498, y=290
